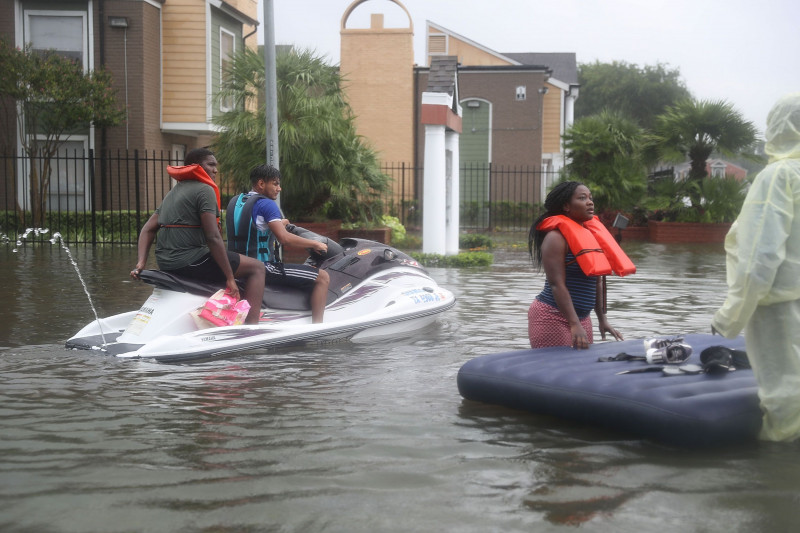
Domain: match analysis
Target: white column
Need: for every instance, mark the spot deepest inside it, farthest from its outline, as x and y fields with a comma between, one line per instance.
x=434, y=191
x=569, y=111
x=453, y=195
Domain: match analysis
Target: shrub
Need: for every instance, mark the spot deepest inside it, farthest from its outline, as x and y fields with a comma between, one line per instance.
x=471, y=241
x=398, y=230
x=717, y=200
x=464, y=259
x=409, y=242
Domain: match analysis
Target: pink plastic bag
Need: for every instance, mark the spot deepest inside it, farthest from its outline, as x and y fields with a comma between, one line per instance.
x=223, y=310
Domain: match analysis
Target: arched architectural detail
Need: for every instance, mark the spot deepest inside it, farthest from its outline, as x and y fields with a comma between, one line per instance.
x=380, y=84
x=356, y=3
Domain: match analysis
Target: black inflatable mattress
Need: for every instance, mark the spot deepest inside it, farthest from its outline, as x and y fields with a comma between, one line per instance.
x=687, y=410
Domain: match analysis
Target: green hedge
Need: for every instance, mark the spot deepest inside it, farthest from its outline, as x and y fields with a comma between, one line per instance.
x=471, y=241
x=76, y=227
x=475, y=213
x=463, y=259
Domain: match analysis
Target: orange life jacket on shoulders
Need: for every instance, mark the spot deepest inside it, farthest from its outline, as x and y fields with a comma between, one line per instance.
x=195, y=173
x=595, y=249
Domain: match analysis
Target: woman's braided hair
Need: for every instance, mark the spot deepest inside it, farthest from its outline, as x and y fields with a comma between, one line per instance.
x=553, y=205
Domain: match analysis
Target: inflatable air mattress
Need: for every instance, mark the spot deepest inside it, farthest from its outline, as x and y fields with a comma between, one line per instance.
x=686, y=410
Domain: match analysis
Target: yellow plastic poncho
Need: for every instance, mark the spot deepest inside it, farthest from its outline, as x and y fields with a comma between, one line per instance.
x=763, y=275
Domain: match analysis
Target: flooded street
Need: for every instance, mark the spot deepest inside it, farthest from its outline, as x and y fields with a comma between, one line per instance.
x=350, y=437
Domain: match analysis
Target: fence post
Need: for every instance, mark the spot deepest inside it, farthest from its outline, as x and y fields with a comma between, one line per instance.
x=491, y=174
x=136, y=184
x=9, y=162
x=402, y=209
x=103, y=181
x=92, y=196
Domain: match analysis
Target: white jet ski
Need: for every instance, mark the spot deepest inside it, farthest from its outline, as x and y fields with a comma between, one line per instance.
x=375, y=290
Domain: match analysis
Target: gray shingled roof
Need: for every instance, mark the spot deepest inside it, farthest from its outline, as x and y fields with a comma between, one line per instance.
x=564, y=65
x=442, y=75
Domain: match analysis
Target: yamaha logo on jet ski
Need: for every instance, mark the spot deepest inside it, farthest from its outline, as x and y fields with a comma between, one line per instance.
x=375, y=290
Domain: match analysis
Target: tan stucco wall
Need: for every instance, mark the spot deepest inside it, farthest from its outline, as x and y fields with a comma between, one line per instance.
x=248, y=7
x=377, y=65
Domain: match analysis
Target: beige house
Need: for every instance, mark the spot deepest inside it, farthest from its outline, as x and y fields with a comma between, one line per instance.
x=515, y=106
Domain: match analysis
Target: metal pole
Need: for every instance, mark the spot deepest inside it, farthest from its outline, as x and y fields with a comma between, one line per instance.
x=271, y=85
x=271, y=89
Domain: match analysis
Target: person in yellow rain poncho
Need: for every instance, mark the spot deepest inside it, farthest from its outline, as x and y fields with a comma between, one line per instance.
x=763, y=274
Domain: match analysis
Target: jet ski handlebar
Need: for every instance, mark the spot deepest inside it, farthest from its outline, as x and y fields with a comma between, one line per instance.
x=334, y=248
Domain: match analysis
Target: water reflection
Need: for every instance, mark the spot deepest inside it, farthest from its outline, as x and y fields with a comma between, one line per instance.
x=366, y=436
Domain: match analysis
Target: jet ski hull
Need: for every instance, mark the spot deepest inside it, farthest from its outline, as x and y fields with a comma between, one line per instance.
x=373, y=293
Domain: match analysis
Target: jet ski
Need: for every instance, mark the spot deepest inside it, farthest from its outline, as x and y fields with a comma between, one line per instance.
x=375, y=291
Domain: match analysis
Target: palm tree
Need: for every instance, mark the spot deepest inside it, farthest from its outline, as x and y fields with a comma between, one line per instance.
x=606, y=153
x=695, y=129
x=327, y=168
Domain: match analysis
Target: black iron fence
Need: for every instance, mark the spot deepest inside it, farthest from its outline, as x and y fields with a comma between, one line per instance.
x=106, y=198
x=88, y=199
x=492, y=197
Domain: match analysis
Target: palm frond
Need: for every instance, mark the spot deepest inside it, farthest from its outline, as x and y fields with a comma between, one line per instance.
x=325, y=164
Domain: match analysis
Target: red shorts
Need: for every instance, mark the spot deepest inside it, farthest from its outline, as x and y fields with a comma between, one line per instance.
x=548, y=327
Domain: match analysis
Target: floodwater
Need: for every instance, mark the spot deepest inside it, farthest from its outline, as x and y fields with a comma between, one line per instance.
x=349, y=437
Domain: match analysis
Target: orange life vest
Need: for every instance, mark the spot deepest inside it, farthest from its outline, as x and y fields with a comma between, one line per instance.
x=595, y=249
x=196, y=173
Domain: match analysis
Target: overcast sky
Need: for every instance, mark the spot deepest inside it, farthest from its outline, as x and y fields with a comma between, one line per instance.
x=743, y=51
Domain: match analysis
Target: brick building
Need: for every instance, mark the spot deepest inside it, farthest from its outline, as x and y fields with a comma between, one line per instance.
x=515, y=106
x=166, y=58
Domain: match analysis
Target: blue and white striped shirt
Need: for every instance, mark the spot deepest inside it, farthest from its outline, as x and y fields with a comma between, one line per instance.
x=582, y=288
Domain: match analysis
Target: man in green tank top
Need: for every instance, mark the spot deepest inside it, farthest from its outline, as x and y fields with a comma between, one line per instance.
x=191, y=244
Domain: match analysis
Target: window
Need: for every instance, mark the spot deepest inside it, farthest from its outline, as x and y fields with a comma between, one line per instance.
x=62, y=31
x=521, y=93
x=69, y=178
x=67, y=33
x=227, y=49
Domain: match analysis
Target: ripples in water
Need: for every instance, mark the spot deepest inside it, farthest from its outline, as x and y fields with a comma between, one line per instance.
x=368, y=436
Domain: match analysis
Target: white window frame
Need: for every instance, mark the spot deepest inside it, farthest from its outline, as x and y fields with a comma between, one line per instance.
x=62, y=13
x=67, y=152
x=223, y=105
x=87, y=57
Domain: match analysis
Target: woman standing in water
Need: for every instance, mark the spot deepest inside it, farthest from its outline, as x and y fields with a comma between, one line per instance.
x=576, y=252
